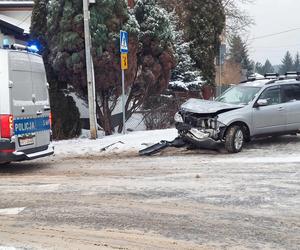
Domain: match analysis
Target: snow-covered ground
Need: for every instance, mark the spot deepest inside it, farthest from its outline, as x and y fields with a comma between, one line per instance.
x=116, y=143
x=270, y=150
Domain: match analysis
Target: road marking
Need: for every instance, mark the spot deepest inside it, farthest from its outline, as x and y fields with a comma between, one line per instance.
x=11, y=211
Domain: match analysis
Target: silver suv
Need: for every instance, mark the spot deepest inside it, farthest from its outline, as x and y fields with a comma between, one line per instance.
x=256, y=108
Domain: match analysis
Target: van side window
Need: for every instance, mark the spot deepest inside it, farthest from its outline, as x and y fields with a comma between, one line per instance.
x=272, y=95
x=290, y=92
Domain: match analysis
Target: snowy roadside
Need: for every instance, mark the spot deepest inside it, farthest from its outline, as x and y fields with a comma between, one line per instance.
x=129, y=143
x=270, y=150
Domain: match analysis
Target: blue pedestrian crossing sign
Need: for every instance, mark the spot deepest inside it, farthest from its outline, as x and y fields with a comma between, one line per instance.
x=123, y=42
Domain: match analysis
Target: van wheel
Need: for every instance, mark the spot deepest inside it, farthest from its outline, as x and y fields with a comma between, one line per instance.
x=234, y=139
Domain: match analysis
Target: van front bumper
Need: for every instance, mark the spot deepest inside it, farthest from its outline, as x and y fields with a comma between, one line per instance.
x=27, y=154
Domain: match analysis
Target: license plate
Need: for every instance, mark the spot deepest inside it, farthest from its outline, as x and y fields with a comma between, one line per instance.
x=26, y=141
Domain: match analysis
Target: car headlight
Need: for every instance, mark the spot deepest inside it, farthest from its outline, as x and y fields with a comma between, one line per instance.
x=215, y=124
x=178, y=118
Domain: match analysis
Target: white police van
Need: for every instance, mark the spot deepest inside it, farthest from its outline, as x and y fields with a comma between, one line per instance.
x=25, y=116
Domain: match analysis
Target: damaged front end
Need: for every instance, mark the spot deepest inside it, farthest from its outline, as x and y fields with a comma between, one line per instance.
x=200, y=130
x=197, y=122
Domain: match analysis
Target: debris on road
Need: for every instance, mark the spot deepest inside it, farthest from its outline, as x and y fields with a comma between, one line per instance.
x=110, y=145
x=156, y=148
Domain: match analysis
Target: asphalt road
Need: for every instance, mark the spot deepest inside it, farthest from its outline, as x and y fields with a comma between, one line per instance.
x=177, y=200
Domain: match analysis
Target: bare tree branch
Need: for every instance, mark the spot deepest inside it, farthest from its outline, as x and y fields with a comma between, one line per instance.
x=238, y=20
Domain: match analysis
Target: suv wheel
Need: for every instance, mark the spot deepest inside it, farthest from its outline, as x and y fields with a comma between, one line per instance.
x=235, y=139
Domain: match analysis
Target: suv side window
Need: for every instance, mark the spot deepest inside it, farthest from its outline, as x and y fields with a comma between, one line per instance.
x=297, y=91
x=272, y=95
x=290, y=92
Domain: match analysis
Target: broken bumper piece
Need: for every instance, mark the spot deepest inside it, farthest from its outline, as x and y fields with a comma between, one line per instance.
x=156, y=148
x=196, y=137
x=200, y=139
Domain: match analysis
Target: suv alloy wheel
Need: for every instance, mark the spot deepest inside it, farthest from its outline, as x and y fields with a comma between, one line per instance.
x=235, y=139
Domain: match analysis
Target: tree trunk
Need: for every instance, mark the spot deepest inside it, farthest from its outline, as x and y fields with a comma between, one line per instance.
x=105, y=116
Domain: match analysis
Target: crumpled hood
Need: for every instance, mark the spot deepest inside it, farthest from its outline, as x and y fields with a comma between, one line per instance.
x=207, y=107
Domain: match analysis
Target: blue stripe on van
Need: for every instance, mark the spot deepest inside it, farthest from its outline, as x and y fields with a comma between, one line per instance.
x=31, y=125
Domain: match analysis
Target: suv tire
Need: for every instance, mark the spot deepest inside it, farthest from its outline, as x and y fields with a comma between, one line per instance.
x=234, y=139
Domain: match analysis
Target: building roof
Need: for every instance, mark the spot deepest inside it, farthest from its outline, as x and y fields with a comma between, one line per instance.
x=14, y=24
x=16, y=3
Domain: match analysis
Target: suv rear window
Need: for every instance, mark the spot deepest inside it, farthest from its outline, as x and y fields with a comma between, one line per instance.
x=290, y=92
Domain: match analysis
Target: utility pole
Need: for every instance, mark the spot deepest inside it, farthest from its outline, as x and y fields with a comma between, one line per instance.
x=89, y=71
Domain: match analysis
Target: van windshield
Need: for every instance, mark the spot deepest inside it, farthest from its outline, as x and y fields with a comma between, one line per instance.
x=241, y=95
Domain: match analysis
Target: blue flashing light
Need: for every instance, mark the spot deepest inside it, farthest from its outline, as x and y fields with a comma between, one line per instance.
x=33, y=49
x=5, y=43
x=34, y=46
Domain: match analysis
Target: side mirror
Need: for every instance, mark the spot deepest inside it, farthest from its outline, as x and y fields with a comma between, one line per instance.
x=262, y=103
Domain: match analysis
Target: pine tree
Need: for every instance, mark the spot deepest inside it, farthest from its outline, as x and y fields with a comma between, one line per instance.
x=268, y=68
x=259, y=68
x=297, y=63
x=287, y=63
x=38, y=27
x=205, y=23
x=238, y=53
x=185, y=70
x=66, y=117
x=67, y=49
x=156, y=57
x=150, y=50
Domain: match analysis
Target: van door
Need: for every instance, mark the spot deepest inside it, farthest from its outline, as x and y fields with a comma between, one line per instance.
x=31, y=125
x=41, y=100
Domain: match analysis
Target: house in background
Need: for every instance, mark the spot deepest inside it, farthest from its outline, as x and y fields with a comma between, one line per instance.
x=15, y=18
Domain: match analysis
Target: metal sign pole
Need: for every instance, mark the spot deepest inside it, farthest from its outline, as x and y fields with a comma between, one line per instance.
x=123, y=101
x=124, y=66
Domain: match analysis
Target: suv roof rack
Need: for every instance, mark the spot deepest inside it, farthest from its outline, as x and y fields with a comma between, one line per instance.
x=292, y=74
x=271, y=75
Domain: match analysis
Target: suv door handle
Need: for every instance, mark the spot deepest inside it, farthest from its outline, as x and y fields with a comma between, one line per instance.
x=39, y=112
x=280, y=109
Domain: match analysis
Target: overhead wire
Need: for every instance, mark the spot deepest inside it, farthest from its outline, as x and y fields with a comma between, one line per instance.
x=274, y=34
x=277, y=47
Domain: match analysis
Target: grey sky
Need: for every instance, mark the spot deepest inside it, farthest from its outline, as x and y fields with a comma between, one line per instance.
x=273, y=16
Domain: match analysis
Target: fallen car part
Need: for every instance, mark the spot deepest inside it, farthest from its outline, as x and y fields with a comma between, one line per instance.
x=201, y=143
x=177, y=143
x=110, y=145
